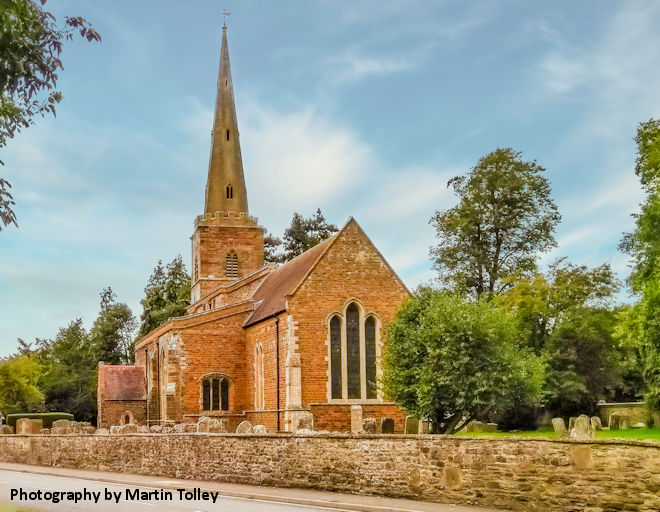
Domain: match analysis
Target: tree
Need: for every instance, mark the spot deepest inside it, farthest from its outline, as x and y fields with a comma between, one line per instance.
x=19, y=391
x=30, y=48
x=167, y=295
x=569, y=318
x=69, y=371
x=301, y=235
x=504, y=218
x=640, y=325
x=449, y=359
x=113, y=330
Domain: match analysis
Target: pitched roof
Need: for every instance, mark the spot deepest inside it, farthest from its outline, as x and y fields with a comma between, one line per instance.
x=122, y=382
x=271, y=294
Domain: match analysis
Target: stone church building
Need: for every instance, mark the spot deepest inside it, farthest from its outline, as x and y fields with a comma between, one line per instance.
x=260, y=342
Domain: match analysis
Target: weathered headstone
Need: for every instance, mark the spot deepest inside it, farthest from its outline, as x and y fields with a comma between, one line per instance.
x=6, y=429
x=412, y=425
x=369, y=426
x=259, y=429
x=582, y=428
x=114, y=430
x=619, y=421
x=156, y=429
x=27, y=426
x=217, y=426
x=167, y=430
x=491, y=427
x=596, y=423
x=203, y=424
x=129, y=428
x=142, y=429
x=387, y=426
x=571, y=423
x=476, y=426
x=559, y=426
x=244, y=427
x=102, y=432
x=356, y=418
x=303, y=420
x=424, y=427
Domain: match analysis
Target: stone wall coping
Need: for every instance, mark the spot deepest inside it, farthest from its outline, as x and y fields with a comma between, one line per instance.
x=358, y=437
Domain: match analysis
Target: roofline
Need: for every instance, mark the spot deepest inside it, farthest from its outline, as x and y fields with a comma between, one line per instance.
x=237, y=282
x=162, y=329
x=333, y=239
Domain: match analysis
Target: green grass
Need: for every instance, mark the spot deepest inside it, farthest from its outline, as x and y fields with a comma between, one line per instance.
x=633, y=433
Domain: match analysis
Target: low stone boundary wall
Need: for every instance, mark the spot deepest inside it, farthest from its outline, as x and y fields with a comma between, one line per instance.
x=517, y=474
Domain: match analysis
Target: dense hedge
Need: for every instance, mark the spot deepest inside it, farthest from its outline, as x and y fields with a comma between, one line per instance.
x=46, y=417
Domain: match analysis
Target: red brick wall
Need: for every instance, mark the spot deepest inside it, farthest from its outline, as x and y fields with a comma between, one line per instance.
x=350, y=269
x=211, y=243
x=112, y=411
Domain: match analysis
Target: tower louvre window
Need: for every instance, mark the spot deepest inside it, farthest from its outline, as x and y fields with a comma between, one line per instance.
x=230, y=192
x=227, y=134
x=231, y=264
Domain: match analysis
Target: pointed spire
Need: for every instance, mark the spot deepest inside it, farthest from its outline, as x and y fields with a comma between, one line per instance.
x=225, y=186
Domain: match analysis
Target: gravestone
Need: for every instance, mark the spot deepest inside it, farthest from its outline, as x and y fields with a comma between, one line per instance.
x=619, y=421
x=6, y=429
x=476, y=426
x=571, y=422
x=244, y=427
x=387, y=426
x=369, y=426
x=412, y=425
x=259, y=429
x=129, y=428
x=303, y=420
x=596, y=423
x=582, y=428
x=356, y=418
x=27, y=426
x=559, y=426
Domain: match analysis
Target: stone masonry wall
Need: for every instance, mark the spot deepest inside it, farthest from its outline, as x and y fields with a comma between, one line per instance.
x=518, y=474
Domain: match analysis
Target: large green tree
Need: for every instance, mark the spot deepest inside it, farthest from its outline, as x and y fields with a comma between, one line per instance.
x=166, y=295
x=69, y=371
x=19, y=390
x=640, y=325
x=302, y=234
x=504, y=218
x=568, y=316
x=113, y=330
x=450, y=359
x=30, y=47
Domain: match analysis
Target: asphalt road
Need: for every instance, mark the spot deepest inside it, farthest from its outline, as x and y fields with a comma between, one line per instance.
x=124, y=499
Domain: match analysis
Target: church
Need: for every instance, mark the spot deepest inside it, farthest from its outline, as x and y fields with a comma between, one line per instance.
x=262, y=342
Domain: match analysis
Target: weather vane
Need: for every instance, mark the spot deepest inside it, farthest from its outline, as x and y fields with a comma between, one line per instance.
x=225, y=13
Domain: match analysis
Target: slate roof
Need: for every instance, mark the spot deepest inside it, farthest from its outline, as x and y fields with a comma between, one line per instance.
x=271, y=295
x=122, y=382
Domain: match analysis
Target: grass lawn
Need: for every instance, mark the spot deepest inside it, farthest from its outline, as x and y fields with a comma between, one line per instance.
x=633, y=433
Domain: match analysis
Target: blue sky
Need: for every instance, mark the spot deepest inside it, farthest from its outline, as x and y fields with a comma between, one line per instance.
x=361, y=108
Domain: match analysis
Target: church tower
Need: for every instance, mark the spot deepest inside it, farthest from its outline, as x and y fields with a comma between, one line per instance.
x=227, y=243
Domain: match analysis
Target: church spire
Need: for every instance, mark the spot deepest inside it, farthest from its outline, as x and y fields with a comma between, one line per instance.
x=225, y=186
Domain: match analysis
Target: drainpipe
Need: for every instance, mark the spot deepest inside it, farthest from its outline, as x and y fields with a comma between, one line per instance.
x=277, y=362
x=146, y=378
x=158, y=380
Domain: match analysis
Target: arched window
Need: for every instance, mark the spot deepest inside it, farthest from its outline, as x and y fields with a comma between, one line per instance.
x=259, y=398
x=215, y=394
x=353, y=350
x=231, y=264
x=230, y=192
x=335, y=357
x=353, y=355
x=370, y=355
